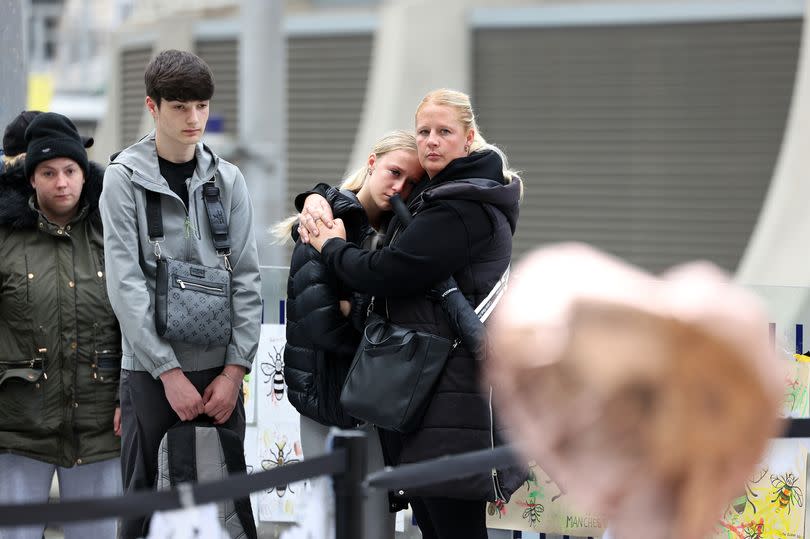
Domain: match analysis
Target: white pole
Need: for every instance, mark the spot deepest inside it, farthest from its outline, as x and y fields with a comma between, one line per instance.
x=263, y=117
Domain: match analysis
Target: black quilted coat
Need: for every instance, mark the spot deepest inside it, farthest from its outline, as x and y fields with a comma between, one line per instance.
x=321, y=341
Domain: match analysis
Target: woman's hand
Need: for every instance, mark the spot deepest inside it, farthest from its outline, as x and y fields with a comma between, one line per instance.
x=324, y=234
x=316, y=209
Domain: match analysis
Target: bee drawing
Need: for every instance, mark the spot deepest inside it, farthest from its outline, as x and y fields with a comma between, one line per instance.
x=787, y=493
x=280, y=458
x=274, y=371
x=533, y=512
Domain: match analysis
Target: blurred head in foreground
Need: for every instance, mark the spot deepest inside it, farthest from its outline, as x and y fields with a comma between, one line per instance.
x=649, y=399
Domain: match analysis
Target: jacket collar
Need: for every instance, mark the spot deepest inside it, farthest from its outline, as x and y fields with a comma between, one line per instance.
x=50, y=227
x=142, y=159
x=477, y=177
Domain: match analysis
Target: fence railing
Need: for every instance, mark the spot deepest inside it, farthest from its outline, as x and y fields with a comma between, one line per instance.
x=345, y=463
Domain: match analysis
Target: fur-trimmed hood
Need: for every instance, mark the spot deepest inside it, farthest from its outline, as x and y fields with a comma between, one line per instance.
x=16, y=190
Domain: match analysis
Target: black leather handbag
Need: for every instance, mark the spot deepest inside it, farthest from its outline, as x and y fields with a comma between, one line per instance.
x=392, y=376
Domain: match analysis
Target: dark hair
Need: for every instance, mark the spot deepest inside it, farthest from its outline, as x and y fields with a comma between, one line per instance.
x=178, y=76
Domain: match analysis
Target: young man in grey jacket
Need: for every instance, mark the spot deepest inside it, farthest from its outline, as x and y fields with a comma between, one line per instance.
x=163, y=381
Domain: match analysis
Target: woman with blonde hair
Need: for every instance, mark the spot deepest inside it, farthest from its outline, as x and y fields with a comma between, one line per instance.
x=464, y=217
x=321, y=338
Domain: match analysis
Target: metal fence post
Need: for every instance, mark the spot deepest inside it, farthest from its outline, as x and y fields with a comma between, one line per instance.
x=348, y=486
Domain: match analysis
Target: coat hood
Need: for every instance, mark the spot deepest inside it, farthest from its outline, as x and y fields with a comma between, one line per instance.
x=478, y=177
x=16, y=191
x=142, y=159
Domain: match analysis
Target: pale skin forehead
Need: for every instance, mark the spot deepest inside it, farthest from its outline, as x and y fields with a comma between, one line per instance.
x=448, y=112
x=57, y=163
x=399, y=158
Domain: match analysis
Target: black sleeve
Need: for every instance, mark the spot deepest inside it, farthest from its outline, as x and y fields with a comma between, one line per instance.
x=342, y=206
x=320, y=189
x=439, y=242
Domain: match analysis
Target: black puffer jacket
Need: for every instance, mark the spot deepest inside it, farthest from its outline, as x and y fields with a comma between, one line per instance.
x=463, y=225
x=321, y=341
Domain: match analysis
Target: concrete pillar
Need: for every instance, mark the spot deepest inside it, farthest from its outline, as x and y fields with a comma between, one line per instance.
x=263, y=117
x=419, y=45
x=13, y=60
x=776, y=253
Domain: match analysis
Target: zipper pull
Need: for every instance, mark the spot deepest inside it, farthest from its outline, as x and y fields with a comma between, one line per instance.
x=188, y=227
x=182, y=284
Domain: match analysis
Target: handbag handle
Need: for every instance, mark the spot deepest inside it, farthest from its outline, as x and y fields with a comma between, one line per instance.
x=377, y=348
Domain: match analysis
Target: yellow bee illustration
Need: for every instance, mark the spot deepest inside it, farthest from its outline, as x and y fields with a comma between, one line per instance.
x=280, y=458
x=787, y=493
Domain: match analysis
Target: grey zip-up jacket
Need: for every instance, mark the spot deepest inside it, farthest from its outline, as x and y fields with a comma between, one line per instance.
x=130, y=257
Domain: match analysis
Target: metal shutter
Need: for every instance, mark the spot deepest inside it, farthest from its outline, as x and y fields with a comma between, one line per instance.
x=656, y=143
x=327, y=78
x=222, y=56
x=133, y=64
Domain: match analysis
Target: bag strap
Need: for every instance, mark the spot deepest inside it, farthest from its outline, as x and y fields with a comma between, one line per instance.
x=154, y=220
x=488, y=304
x=213, y=209
x=216, y=218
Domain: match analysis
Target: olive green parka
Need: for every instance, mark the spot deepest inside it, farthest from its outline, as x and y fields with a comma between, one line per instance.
x=60, y=346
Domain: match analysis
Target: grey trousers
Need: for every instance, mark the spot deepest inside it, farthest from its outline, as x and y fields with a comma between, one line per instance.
x=26, y=480
x=146, y=415
x=378, y=521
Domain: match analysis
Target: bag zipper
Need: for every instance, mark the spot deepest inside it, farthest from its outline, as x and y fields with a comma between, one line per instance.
x=183, y=284
x=27, y=363
x=495, y=483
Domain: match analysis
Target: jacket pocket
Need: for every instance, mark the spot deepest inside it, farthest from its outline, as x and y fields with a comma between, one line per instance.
x=106, y=367
x=22, y=394
x=105, y=371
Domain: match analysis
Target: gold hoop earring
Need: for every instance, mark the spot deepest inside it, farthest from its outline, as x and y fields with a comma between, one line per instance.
x=467, y=149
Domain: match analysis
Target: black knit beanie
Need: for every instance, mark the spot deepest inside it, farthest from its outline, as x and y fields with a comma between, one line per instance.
x=52, y=135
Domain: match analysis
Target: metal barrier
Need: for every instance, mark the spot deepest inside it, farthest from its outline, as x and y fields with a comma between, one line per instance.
x=346, y=463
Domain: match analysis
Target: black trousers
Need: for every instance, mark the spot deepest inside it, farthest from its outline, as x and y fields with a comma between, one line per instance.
x=449, y=518
x=146, y=415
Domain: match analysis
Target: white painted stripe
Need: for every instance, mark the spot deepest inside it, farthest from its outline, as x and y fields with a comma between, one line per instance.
x=133, y=40
x=334, y=24
x=615, y=13
x=295, y=25
x=213, y=29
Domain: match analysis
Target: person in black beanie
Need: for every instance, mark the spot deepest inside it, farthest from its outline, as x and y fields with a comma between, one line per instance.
x=60, y=345
x=14, y=139
x=51, y=135
x=14, y=134
x=14, y=144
